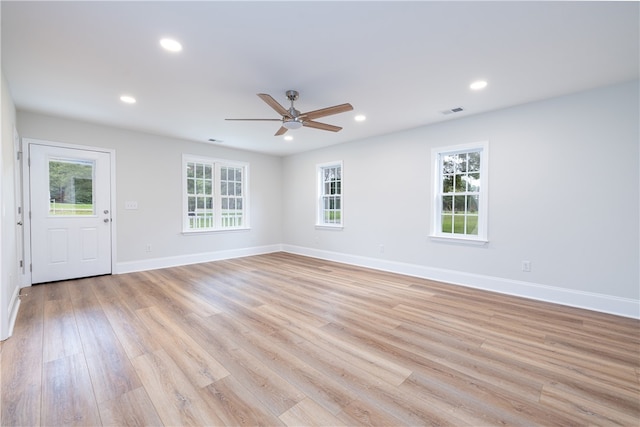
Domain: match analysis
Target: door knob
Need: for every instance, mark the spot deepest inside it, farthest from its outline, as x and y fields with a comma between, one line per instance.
x=19, y=222
x=106, y=220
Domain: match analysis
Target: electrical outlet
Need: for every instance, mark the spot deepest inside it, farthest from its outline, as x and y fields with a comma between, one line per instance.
x=131, y=205
x=526, y=266
x=148, y=247
x=381, y=247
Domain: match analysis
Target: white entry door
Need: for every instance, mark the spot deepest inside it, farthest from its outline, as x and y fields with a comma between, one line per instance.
x=70, y=193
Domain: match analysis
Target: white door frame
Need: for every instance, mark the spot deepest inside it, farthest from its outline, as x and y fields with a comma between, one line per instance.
x=19, y=191
x=26, y=200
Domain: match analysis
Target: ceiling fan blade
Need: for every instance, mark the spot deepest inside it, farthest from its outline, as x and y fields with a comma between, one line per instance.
x=322, y=126
x=274, y=104
x=281, y=131
x=258, y=120
x=323, y=112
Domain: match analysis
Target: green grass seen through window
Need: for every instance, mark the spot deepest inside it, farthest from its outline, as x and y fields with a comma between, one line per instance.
x=332, y=217
x=73, y=209
x=455, y=224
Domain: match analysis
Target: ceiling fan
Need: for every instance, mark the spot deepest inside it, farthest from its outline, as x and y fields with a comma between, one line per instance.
x=294, y=119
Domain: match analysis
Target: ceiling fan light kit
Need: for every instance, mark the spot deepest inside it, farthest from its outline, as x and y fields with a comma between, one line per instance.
x=293, y=119
x=292, y=124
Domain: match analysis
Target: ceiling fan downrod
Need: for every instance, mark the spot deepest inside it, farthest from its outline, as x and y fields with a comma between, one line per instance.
x=292, y=95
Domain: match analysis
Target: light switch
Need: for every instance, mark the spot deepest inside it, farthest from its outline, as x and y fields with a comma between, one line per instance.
x=131, y=205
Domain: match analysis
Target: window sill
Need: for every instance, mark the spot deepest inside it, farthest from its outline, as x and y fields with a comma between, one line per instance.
x=459, y=240
x=328, y=227
x=213, y=231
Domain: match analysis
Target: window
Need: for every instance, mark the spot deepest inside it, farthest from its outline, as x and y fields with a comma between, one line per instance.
x=460, y=202
x=215, y=194
x=71, y=187
x=330, y=194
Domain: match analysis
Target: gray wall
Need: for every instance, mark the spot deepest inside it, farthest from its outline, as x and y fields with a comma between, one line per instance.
x=149, y=171
x=563, y=194
x=9, y=271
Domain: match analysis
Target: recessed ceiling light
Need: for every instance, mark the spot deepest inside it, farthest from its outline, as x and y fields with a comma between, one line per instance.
x=171, y=45
x=477, y=85
x=128, y=99
x=360, y=118
x=288, y=138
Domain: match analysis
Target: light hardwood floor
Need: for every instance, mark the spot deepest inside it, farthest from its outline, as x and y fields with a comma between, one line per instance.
x=281, y=339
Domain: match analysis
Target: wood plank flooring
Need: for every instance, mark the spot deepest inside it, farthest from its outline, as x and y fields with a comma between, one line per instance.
x=281, y=339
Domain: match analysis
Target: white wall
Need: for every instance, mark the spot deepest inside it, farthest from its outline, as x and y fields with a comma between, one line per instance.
x=149, y=171
x=563, y=194
x=9, y=273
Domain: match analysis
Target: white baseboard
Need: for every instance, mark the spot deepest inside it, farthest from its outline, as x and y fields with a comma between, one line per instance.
x=14, y=306
x=588, y=300
x=156, y=263
x=591, y=301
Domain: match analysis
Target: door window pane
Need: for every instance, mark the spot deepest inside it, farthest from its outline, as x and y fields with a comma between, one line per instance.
x=71, y=187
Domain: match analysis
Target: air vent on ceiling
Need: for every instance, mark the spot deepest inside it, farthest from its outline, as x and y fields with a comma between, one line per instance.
x=452, y=110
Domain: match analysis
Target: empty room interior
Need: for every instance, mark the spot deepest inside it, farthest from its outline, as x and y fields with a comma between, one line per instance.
x=320, y=213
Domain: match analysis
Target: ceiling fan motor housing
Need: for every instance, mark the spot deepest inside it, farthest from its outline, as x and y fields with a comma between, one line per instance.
x=294, y=113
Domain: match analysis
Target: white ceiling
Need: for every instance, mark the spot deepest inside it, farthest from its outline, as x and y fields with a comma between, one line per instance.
x=399, y=63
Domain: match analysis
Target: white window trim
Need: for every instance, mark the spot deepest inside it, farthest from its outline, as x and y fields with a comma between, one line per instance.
x=483, y=208
x=216, y=194
x=319, y=194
